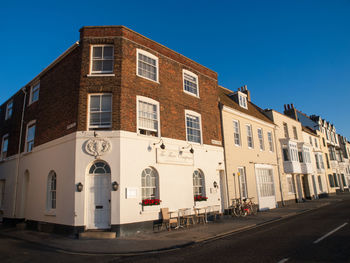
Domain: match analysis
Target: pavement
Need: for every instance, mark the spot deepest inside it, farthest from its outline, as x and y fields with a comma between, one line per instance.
x=167, y=240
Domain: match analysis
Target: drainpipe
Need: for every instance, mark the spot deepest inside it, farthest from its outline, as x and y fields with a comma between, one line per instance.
x=223, y=142
x=278, y=167
x=19, y=154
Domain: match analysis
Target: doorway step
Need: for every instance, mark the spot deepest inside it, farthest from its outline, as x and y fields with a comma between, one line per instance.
x=97, y=234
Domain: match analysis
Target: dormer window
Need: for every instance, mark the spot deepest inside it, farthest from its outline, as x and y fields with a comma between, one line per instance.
x=242, y=100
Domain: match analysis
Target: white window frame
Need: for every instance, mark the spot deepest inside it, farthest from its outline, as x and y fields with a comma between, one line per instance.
x=236, y=132
x=51, y=203
x=151, y=101
x=242, y=100
x=194, y=114
x=261, y=139
x=88, y=115
x=145, y=186
x=150, y=55
x=250, y=136
x=5, y=137
x=290, y=184
x=109, y=72
x=185, y=71
x=242, y=181
x=9, y=109
x=34, y=88
x=201, y=186
x=295, y=133
x=285, y=130
x=270, y=140
x=30, y=124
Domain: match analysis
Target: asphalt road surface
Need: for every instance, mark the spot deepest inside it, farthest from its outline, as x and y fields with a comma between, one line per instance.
x=321, y=235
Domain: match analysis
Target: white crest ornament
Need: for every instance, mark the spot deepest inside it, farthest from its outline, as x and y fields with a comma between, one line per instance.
x=97, y=147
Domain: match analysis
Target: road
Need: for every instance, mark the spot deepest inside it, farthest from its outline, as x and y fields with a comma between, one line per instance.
x=322, y=235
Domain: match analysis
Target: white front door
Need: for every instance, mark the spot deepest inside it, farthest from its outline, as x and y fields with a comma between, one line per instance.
x=266, y=188
x=99, y=198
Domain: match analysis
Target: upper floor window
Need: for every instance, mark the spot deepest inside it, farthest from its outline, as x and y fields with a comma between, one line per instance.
x=190, y=82
x=285, y=129
x=295, y=133
x=4, y=146
x=34, y=93
x=250, y=136
x=261, y=139
x=148, y=116
x=147, y=65
x=294, y=152
x=102, y=59
x=236, y=133
x=9, y=110
x=316, y=144
x=285, y=154
x=30, y=136
x=51, y=191
x=310, y=139
x=193, y=127
x=324, y=142
x=242, y=99
x=100, y=111
x=269, y=138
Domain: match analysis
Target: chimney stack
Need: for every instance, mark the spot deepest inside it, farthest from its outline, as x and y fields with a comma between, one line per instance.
x=246, y=91
x=290, y=111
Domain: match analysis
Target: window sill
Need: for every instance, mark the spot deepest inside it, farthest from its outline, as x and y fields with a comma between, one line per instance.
x=50, y=213
x=192, y=94
x=155, y=81
x=151, y=208
x=101, y=75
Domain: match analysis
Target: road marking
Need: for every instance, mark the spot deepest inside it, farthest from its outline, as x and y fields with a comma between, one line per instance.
x=330, y=233
x=283, y=260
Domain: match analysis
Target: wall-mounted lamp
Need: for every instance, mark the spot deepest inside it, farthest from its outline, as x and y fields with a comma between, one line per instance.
x=215, y=184
x=162, y=146
x=80, y=187
x=188, y=146
x=115, y=186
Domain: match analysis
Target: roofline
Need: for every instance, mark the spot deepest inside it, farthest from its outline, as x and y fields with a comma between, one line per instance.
x=124, y=27
x=282, y=115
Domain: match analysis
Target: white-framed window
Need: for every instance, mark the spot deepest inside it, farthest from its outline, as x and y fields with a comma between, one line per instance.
x=198, y=183
x=310, y=139
x=2, y=192
x=294, y=152
x=250, y=136
x=320, y=183
x=30, y=136
x=317, y=161
x=147, y=65
x=236, y=133
x=190, y=82
x=307, y=155
x=261, y=139
x=270, y=140
x=242, y=100
x=290, y=183
x=51, y=191
x=4, y=146
x=316, y=144
x=100, y=111
x=9, y=110
x=102, y=57
x=149, y=184
x=242, y=178
x=34, y=93
x=265, y=182
x=193, y=126
x=148, y=116
x=285, y=129
x=295, y=133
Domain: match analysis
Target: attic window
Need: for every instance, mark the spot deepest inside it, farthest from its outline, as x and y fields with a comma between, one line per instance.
x=242, y=100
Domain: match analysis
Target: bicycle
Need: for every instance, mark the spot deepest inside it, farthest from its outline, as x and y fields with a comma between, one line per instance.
x=238, y=208
x=249, y=206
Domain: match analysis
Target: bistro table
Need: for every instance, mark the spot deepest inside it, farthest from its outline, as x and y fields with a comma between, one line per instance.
x=179, y=212
x=205, y=208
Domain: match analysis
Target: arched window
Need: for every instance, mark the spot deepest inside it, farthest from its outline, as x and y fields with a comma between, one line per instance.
x=51, y=190
x=100, y=168
x=149, y=184
x=198, y=183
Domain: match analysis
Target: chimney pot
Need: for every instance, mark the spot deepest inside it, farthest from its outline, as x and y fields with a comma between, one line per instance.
x=285, y=107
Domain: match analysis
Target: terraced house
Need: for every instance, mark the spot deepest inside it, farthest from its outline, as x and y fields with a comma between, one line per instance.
x=116, y=123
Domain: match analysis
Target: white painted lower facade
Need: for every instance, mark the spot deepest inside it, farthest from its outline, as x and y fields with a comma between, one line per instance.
x=128, y=155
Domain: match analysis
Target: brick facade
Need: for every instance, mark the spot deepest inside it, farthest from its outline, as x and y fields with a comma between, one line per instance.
x=65, y=85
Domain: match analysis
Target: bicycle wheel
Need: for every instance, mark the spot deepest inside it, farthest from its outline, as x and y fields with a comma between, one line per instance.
x=244, y=210
x=254, y=209
x=237, y=211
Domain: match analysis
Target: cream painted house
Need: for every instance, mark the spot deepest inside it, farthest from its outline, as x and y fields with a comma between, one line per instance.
x=250, y=150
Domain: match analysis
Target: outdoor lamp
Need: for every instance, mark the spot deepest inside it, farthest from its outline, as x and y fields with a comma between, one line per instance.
x=79, y=187
x=162, y=146
x=189, y=145
x=215, y=184
x=115, y=186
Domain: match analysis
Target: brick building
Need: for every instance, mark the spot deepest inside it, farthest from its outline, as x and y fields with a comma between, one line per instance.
x=115, y=121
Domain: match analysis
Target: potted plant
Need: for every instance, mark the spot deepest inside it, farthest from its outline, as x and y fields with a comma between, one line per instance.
x=150, y=202
x=199, y=198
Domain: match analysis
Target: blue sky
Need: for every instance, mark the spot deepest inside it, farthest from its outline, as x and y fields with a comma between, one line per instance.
x=285, y=51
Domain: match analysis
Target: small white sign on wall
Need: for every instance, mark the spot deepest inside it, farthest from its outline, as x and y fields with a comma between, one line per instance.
x=131, y=192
